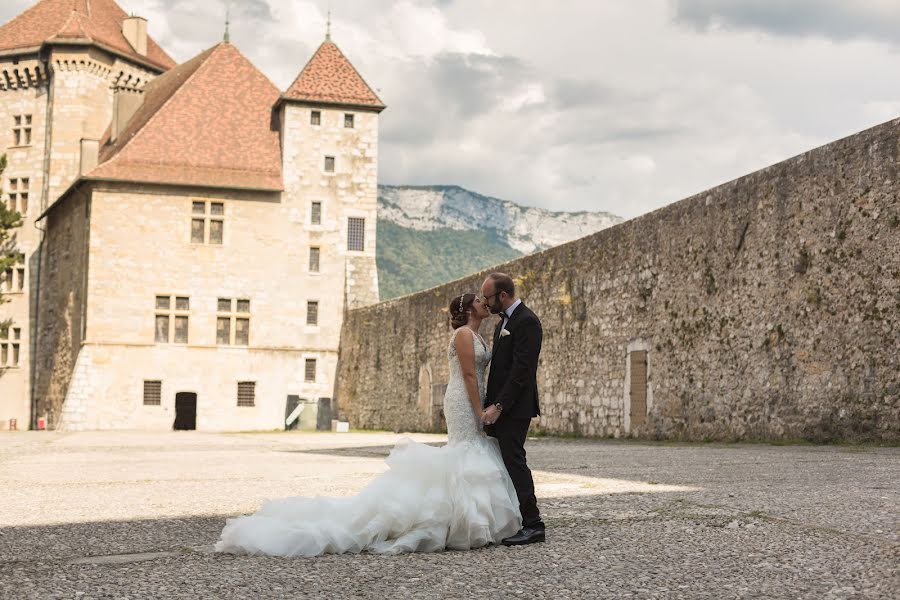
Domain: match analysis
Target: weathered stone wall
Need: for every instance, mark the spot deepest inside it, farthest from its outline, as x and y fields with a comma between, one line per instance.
x=769, y=307
x=62, y=301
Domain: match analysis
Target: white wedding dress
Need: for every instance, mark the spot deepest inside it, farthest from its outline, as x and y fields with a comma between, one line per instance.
x=457, y=496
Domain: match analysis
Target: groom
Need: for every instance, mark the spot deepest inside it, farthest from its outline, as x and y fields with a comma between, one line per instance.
x=512, y=396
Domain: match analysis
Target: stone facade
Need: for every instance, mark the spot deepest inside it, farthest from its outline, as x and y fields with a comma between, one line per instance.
x=84, y=83
x=61, y=328
x=769, y=308
x=140, y=248
x=102, y=249
x=27, y=98
x=351, y=191
x=67, y=93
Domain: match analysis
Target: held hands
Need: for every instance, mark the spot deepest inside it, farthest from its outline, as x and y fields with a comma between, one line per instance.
x=490, y=415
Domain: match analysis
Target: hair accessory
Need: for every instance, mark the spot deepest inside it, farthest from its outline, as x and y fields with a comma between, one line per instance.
x=461, y=298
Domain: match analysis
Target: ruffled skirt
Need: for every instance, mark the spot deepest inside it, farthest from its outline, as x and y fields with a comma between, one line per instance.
x=456, y=496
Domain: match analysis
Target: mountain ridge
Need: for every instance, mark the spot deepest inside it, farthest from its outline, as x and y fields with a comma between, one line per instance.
x=526, y=229
x=432, y=234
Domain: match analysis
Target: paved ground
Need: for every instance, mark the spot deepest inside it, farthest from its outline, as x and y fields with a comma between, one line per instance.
x=133, y=515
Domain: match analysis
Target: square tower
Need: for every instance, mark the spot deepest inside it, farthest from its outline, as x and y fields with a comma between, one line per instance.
x=329, y=128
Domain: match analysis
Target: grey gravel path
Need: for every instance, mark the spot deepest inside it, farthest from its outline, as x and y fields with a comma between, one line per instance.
x=133, y=515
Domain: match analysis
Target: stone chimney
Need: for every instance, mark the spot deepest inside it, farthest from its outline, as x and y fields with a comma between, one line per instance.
x=90, y=155
x=126, y=102
x=135, y=30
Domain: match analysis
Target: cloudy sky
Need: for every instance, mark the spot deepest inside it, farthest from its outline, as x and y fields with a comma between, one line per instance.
x=616, y=105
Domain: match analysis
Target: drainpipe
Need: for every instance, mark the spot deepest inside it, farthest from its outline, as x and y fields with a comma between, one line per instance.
x=36, y=279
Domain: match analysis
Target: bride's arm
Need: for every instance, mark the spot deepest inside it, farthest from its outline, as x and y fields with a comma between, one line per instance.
x=465, y=350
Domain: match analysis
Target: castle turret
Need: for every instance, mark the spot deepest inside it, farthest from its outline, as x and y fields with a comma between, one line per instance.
x=63, y=61
x=329, y=128
x=61, y=64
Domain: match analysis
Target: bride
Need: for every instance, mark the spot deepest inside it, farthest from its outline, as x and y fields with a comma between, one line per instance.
x=458, y=496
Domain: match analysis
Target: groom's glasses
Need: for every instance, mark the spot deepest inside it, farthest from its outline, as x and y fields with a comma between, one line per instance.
x=487, y=299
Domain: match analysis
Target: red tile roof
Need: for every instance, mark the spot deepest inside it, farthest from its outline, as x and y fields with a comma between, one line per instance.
x=329, y=78
x=90, y=21
x=207, y=122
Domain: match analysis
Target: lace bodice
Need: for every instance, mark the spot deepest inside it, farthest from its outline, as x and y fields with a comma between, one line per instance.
x=462, y=425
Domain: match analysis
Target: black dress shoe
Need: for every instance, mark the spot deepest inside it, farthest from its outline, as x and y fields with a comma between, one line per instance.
x=526, y=535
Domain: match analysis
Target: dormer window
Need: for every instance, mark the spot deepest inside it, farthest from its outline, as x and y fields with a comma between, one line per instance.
x=349, y=121
x=315, y=117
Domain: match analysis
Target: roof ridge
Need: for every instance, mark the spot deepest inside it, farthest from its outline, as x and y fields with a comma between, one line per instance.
x=274, y=170
x=75, y=14
x=245, y=57
x=205, y=56
x=306, y=66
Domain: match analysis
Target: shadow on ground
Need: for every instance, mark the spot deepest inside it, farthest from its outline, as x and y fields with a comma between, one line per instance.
x=596, y=548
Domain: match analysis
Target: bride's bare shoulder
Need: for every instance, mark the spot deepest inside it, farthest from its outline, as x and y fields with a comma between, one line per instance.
x=462, y=340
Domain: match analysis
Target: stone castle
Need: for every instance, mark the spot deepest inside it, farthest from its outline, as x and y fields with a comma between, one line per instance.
x=192, y=235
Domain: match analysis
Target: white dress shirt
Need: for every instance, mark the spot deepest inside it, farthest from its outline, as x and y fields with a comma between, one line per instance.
x=509, y=311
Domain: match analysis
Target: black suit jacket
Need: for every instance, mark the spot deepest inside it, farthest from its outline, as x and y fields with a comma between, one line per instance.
x=513, y=376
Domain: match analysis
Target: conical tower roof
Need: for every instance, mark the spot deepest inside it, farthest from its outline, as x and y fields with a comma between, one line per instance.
x=329, y=78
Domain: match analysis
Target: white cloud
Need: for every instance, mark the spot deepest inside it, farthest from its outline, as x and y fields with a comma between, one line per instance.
x=413, y=30
x=836, y=19
x=530, y=94
x=878, y=111
x=641, y=164
x=619, y=106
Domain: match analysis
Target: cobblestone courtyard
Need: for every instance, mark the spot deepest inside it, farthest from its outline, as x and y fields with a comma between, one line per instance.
x=133, y=515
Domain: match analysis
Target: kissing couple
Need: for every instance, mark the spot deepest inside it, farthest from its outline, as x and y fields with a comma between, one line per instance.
x=474, y=491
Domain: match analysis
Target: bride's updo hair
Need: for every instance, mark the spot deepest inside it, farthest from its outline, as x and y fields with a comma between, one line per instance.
x=460, y=308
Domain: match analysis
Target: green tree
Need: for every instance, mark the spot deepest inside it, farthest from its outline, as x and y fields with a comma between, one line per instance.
x=9, y=253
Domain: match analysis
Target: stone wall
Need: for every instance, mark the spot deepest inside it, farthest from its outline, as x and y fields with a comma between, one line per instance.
x=23, y=92
x=107, y=386
x=68, y=97
x=83, y=83
x=769, y=307
x=350, y=191
x=62, y=301
x=140, y=248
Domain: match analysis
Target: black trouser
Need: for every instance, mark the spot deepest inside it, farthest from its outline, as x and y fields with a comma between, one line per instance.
x=510, y=434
